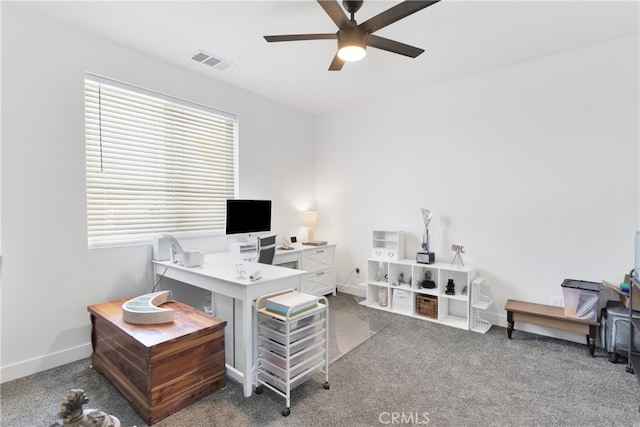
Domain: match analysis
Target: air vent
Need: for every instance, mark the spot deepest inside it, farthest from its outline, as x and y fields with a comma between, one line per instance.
x=211, y=61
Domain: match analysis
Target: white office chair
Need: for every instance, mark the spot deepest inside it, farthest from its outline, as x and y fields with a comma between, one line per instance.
x=266, y=249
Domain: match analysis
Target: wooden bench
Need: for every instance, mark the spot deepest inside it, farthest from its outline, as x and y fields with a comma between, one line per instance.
x=551, y=317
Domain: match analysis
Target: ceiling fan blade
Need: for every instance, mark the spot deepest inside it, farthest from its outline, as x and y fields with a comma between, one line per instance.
x=336, y=64
x=295, y=37
x=336, y=13
x=393, y=46
x=394, y=14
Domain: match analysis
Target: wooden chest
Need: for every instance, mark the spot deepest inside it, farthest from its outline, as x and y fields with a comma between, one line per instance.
x=159, y=368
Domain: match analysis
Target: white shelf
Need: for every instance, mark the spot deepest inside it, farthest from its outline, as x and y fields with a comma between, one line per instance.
x=455, y=297
x=456, y=322
x=382, y=284
x=380, y=243
x=378, y=306
x=452, y=310
x=387, y=245
x=432, y=292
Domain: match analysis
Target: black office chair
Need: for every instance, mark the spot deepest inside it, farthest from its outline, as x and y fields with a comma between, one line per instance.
x=266, y=249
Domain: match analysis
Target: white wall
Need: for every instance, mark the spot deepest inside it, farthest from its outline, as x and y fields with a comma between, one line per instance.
x=49, y=276
x=533, y=168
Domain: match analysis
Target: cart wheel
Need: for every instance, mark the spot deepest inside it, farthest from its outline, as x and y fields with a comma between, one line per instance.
x=326, y=386
x=613, y=357
x=286, y=412
x=259, y=389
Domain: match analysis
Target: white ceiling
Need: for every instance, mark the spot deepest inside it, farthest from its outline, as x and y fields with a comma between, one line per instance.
x=461, y=38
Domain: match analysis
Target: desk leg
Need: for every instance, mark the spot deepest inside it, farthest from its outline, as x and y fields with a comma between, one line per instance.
x=509, y=323
x=247, y=338
x=591, y=339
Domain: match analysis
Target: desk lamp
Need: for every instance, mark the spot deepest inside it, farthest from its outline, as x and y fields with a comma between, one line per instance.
x=310, y=220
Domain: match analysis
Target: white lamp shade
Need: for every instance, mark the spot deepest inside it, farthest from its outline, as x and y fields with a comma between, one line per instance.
x=352, y=53
x=310, y=219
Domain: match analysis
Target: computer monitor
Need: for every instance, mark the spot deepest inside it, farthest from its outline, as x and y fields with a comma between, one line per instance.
x=247, y=217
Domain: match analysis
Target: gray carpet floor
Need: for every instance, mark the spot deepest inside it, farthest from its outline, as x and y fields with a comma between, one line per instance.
x=387, y=370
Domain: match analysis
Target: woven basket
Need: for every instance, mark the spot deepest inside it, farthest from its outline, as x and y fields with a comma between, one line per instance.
x=427, y=305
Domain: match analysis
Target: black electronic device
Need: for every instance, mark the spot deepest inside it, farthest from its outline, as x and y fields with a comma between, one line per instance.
x=248, y=216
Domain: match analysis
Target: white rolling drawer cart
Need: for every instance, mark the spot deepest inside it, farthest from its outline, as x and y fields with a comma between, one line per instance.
x=290, y=349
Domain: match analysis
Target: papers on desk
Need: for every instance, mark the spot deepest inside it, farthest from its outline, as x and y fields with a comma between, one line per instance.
x=298, y=302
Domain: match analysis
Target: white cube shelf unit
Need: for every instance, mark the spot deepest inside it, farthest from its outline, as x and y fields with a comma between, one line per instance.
x=398, y=287
x=387, y=245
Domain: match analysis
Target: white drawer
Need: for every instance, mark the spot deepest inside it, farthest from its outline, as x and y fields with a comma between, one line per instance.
x=277, y=369
x=296, y=335
x=319, y=283
x=281, y=361
x=401, y=297
x=266, y=344
x=378, y=253
x=318, y=259
x=294, y=382
x=391, y=254
x=401, y=301
x=276, y=324
x=285, y=257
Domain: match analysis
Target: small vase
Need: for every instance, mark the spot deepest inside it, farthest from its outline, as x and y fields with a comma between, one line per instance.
x=383, y=297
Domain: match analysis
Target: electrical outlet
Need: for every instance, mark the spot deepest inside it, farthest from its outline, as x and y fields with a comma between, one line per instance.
x=556, y=301
x=357, y=270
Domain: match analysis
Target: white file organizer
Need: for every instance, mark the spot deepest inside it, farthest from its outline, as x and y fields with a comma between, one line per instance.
x=290, y=349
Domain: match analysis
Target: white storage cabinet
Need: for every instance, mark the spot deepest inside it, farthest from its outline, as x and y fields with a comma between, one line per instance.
x=395, y=285
x=319, y=263
x=290, y=349
x=387, y=245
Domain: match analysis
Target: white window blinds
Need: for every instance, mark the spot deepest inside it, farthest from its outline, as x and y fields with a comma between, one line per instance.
x=154, y=165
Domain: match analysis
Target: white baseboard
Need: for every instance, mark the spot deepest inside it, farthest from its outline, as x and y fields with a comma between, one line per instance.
x=42, y=363
x=356, y=289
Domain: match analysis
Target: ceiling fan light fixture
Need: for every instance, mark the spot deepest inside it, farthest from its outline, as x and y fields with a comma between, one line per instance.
x=351, y=53
x=353, y=38
x=352, y=44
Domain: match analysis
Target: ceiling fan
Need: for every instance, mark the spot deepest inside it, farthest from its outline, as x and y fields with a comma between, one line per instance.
x=353, y=38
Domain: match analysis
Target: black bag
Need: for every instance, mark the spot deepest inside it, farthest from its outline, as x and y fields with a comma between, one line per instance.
x=614, y=331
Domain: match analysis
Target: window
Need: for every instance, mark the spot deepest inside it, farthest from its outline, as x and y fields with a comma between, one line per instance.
x=154, y=164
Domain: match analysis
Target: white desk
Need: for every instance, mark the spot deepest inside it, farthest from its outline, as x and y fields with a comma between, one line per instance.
x=218, y=274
